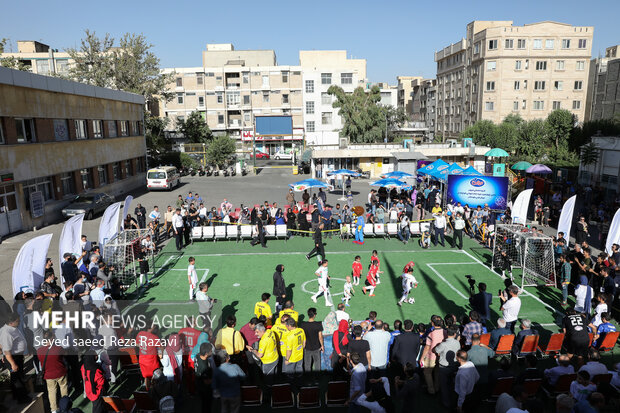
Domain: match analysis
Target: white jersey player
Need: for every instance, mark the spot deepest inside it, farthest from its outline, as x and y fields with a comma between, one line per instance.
x=192, y=277
x=409, y=282
x=348, y=291
x=323, y=276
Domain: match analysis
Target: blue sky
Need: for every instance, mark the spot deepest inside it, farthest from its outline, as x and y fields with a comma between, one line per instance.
x=395, y=37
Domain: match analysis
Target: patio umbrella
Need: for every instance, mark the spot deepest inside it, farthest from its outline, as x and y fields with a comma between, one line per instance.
x=538, y=169
x=470, y=170
x=521, y=166
x=308, y=184
x=389, y=183
x=343, y=172
x=397, y=175
x=497, y=153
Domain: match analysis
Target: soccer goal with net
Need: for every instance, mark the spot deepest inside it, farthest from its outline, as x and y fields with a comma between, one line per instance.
x=525, y=249
x=122, y=253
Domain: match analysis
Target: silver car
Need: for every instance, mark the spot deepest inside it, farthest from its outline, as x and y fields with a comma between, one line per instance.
x=88, y=204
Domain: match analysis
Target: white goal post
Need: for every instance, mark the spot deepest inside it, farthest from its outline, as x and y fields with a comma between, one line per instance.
x=525, y=249
x=122, y=252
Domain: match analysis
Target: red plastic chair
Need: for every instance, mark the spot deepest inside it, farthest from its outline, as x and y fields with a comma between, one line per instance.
x=602, y=378
x=282, y=396
x=485, y=339
x=554, y=345
x=308, y=398
x=528, y=346
x=144, y=403
x=251, y=396
x=609, y=342
x=532, y=386
x=118, y=405
x=337, y=393
x=562, y=385
x=502, y=385
x=504, y=346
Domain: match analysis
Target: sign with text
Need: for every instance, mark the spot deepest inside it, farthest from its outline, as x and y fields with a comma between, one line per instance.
x=478, y=190
x=37, y=204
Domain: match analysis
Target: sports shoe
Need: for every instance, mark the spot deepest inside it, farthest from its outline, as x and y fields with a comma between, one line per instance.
x=347, y=304
x=364, y=290
x=307, y=257
x=313, y=299
x=371, y=295
x=378, y=281
x=400, y=304
x=329, y=304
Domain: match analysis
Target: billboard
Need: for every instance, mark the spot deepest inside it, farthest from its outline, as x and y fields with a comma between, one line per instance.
x=274, y=125
x=478, y=190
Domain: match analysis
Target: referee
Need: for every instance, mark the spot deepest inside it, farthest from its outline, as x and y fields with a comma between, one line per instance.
x=318, y=249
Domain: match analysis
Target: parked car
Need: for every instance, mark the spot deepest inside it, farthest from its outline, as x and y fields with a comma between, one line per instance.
x=283, y=155
x=260, y=155
x=88, y=204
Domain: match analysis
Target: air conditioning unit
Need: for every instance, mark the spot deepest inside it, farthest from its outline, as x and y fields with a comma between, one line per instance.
x=452, y=143
x=343, y=143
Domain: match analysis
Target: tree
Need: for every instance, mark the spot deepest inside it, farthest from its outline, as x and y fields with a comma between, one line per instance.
x=483, y=132
x=559, y=125
x=532, y=142
x=396, y=118
x=362, y=116
x=195, y=128
x=10, y=61
x=187, y=161
x=220, y=150
x=589, y=154
x=156, y=141
x=93, y=62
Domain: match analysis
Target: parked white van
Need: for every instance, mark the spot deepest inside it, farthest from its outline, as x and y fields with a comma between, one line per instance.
x=162, y=177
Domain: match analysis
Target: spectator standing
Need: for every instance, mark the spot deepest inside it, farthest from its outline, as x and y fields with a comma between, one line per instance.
x=378, y=341
x=204, y=375
x=14, y=346
x=481, y=303
x=581, y=231
x=279, y=287
x=227, y=380
x=565, y=272
x=479, y=354
x=230, y=339
x=510, y=307
x=466, y=378
x=295, y=342
x=94, y=381
x=407, y=389
x=314, y=341
x=446, y=351
x=575, y=329
x=168, y=220
x=429, y=357
x=440, y=228
x=459, y=226
x=178, y=227
x=360, y=346
x=406, y=346
x=267, y=351
x=140, y=213
x=471, y=328
x=205, y=303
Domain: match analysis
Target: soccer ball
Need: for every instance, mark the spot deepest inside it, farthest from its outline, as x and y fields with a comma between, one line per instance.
x=411, y=300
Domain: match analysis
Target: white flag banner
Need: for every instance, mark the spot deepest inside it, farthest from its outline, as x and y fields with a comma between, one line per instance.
x=519, y=210
x=71, y=238
x=29, y=266
x=128, y=200
x=566, y=218
x=108, y=227
x=614, y=232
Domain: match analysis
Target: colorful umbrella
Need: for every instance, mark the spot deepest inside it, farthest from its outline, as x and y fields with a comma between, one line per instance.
x=538, y=169
x=497, y=153
x=389, y=183
x=309, y=183
x=397, y=175
x=346, y=172
x=470, y=170
x=521, y=166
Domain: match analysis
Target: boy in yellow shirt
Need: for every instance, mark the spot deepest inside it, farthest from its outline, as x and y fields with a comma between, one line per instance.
x=263, y=308
x=281, y=332
x=295, y=343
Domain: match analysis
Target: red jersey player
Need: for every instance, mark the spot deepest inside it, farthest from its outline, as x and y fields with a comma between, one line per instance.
x=357, y=270
x=409, y=265
x=189, y=338
x=371, y=278
x=375, y=257
x=148, y=357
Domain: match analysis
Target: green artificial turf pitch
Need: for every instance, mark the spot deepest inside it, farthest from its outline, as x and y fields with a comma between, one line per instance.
x=238, y=274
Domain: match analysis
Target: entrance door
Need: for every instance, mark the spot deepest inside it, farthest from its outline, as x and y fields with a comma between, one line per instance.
x=10, y=218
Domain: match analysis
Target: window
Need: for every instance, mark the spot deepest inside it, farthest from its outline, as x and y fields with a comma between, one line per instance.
x=492, y=45
x=284, y=77
x=62, y=66
x=80, y=129
x=477, y=48
x=524, y=104
x=515, y=105
x=517, y=85
x=490, y=86
x=539, y=85
x=527, y=64
x=578, y=85
x=509, y=43
x=136, y=128
x=309, y=86
x=525, y=84
x=537, y=44
x=266, y=97
x=61, y=130
x=208, y=74
x=541, y=65
x=565, y=43
x=180, y=119
x=116, y=171
x=517, y=64
x=247, y=116
x=220, y=119
x=558, y=85
x=492, y=65
x=520, y=43
x=582, y=43
x=43, y=185
x=246, y=77
x=326, y=99
x=68, y=183
x=310, y=126
x=180, y=98
x=43, y=67
x=25, y=130
x=474, y=88
x=576, y=104
x=549, y=44
x=233, y=98
x=97, y=129
x=539, y=104
x=201, y=100
x=581, y=65
x=112, y=129
x=559, y=65
x=220, y=97
x=346, y=78
x=102, y=171
x=326, y=78
x=285, y=98
x=326, y=118
x=199, y=79
x=128, y=168
x=557, y=105
x=246, y=99
x=489, y=105
x=309, y=108
x=179, y=82
x=266, y=81
x=124, y=128
x=86, y=175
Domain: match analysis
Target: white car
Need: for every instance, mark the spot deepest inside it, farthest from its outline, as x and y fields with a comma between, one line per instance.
x=283, y=155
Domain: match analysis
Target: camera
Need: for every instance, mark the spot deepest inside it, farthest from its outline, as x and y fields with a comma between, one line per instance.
x=472, y=284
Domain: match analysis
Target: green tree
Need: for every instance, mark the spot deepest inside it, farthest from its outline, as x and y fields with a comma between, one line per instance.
x=93, y=61
x=362, y=117
x=220, y=150
x=589, y=154
x=396, y=118
x=532, y=143
x=187, y=161
x=483, y=132
x=195, y=128
x=10, y=61
x=559, y=125
x=154, y=133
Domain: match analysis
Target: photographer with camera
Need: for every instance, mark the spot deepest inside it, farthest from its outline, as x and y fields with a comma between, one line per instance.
x=480, y=302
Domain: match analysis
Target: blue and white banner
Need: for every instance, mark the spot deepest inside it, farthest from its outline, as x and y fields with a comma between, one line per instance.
x=478, y=190
x=29, y=265
x=128, y=200
x=520, y=207
x=566, y=218
x=614, y=232
x=71, y=238
x=108, y=227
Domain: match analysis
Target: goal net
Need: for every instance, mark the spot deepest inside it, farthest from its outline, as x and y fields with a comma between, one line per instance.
x=122, y=253
x=519, y=247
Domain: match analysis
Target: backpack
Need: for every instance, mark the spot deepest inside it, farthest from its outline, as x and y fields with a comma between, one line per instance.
x=166, y=405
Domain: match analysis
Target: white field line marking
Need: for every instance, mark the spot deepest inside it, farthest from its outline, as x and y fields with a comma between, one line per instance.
x=204, y=276
x=527, y=293
x=304, y=252
x=185, y=269
x=446, y=281
x=163, y=266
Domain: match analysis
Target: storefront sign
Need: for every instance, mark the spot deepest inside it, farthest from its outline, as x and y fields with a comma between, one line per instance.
x=37, y=204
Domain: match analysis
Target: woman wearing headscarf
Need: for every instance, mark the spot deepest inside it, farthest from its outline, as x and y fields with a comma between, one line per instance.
x=172, y=359
x=279, y=287
x=583, y=293
x=340, y=340
x=94, y=381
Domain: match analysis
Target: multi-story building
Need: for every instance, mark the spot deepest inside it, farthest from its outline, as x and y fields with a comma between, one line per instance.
x=322, y=69
x=604, y=85
x=389, y=94
x=499, y=69
x=40, y=58
x=234, y=86
x=60, y=138
x=424, y=104
x=405, y=93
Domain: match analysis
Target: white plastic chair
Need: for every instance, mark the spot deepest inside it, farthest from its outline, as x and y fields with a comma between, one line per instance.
x=414, y=228
x=196, y=233
x=392, y=229
x=379, y=230
x=270, y=231
x=425, y=226
x=220, y=232
x=245, y=232
x=281, y=231
x=232, y=232
x=208, y=233
x=368, y=230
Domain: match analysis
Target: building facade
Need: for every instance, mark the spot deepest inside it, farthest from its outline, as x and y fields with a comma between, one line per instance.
x=59, y=139
x=232, y=88
x=405, y=93
x=499, y=69
x=603, y=174
x=40, y=58
x=322, y=69
x=604, y=86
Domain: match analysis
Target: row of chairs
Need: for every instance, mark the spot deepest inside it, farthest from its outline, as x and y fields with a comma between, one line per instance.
x=391, y=229
x=236, y=232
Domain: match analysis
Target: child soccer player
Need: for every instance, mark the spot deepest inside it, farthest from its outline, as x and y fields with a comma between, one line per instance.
x=375, y=257
x=192, y=277
x=410, y=264
x=371, y=279
x=357, y=270
x=408, y=282
x=505, y=264
x=144, y=266
x=425, y=241
x=323, y=275
x=348, y=291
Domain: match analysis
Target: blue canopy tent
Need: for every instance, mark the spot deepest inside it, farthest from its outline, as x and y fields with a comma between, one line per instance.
x=389, y=183
x=397, y=175
x=308, y=184
x=343, y=172
x=470, y=170
x=431, y=168
x=453, y=169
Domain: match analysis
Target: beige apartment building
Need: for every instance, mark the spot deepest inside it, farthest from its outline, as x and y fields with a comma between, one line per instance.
x=232, y=88
x=39, y=58
x=499, y=69
x=405, y=93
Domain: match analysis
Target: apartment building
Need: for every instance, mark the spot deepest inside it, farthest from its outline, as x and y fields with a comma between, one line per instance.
x=389, y=94
x=39, y=58
x=320, y=70
x=499, y=69
x=405, y=93
x=424, y=104
x=234, y=86
x=59, y=139
x=603, y=100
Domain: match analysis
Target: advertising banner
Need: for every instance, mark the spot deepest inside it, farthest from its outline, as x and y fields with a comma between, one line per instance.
x=71, y=238
x=108, y=227
x=566, y=218
x=29, y=266
x=478, y=190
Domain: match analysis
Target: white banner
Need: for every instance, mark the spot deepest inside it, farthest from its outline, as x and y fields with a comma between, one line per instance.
x=128, y=200
x=521, y=204
x=71, y=238
x=29, y=266
x=566, y=218
x=108, y=227
x=614, y=232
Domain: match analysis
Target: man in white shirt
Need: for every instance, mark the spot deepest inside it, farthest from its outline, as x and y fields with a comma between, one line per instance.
x=177, y=227
x=458, y=209
x=459, y=226
x=205, y=303
x=358, y=379
x=148, y=244
x=341, y=314
x=404, y=233
x=323, y=277
x=440, y=228
x=378, y=340
x=192, y=277
x=510, y=307
x=14, y=347
x=97, y=295
x=466, y=378
x=155, y=215
x=594, y=365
